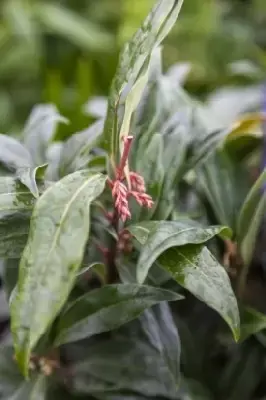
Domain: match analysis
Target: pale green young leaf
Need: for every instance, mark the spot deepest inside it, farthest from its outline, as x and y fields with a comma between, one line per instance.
x=132, y=59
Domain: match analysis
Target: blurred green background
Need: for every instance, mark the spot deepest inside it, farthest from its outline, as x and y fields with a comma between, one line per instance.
x=65, y=51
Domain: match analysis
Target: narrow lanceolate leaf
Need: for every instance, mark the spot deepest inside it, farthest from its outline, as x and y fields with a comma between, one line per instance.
x=108, y=308
x=250, y=218
x=58, y=235
x=158, y=236
x=16, y=158
x=195, y=268
x=136, y=52
x=39, y=130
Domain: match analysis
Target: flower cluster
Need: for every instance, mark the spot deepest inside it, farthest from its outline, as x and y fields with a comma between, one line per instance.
x=136, y=188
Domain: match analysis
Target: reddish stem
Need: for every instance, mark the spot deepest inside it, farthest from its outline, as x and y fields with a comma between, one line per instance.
x=124, y=158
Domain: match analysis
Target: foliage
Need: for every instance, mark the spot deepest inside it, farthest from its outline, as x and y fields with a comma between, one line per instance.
x=105, y=227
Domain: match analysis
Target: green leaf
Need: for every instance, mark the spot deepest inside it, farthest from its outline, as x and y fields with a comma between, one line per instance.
x=16, y=204
x=13, y=155
x=252, y=322
x=250, y=218
x=151, y=341
x=158, y=236
x=58, y=235
x=106, y=309
x=16, y=158
x=33, y=390
x=39, y=130
x=15, y=197
x=10, y=275
x=195, y=269
x=132, y=59
x=224, y=183
x=14, y=231
x=76, y=149
x=29, y=175
x=76, y=29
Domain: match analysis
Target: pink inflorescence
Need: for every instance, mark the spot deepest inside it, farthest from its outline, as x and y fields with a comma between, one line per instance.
x=121, y=192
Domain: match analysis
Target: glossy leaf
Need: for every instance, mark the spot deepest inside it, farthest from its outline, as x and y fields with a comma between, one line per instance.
x=133, y=57
x=158, y=236
x=250, y=218
x=39, y=130
x=75, y=152
x=54, y=251
x=195, y=268
x=151, y=341
x=108, y=308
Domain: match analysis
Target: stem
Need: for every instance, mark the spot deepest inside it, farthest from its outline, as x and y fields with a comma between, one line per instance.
x=113, y=275
x=124, y=158
x=241, y=284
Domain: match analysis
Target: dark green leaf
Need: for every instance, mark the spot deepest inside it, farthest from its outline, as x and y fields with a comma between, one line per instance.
x=57, y=239
x=39, y=131
x=131, y=63
x=252, y=322
x=106, y=309
x=195, y=268
x=33, y=390
x=142, y=357
x=158, y=236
